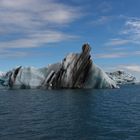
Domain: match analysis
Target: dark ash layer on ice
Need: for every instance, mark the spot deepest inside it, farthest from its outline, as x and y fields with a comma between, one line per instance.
x=75, y=71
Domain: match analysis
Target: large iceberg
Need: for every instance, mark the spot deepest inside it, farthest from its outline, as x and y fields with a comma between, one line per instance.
x=75, y=71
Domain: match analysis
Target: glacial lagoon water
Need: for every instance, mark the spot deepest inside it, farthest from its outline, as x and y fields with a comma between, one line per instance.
x=106, y=114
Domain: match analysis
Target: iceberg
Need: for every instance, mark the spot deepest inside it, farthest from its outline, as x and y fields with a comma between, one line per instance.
x=122, y=78
x=76, y=70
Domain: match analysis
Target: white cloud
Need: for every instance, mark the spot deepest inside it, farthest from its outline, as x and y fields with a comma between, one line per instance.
x=37, y=22
x=118, y=54
x=134, y=25
x=132, y=30
x=117, y=42
x=36, y=39
x=134, y=68
x=30, y=16
x=28, y=12
x=129, y=33
x=4, y=53
x=111, y=55
x=101, y=20
x=12, y=54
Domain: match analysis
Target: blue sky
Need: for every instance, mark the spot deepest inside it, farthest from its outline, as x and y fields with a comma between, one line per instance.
x=39, y=32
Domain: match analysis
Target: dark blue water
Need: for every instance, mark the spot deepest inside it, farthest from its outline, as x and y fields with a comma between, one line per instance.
x=70, y=114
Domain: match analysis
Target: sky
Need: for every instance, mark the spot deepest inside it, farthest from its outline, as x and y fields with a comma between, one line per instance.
x=40, y=32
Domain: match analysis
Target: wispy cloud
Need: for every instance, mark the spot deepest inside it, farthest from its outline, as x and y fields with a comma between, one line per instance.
x=117, y=42
x=133, y=68
x=132, y=30
x=128, y=33
x=12, y=54
x=101, y=20
x=111, y=55
x=35, y=40
x=36, y=12
x=118, y=54
x=132, y=26
x=32, y=23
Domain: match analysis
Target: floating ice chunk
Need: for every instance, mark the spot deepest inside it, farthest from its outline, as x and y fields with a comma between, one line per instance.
x=122, y=77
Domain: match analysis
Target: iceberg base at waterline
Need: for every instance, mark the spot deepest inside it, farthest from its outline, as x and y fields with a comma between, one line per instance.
x=76, y=70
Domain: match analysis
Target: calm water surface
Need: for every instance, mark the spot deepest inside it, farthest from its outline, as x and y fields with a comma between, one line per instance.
x=70, y=114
